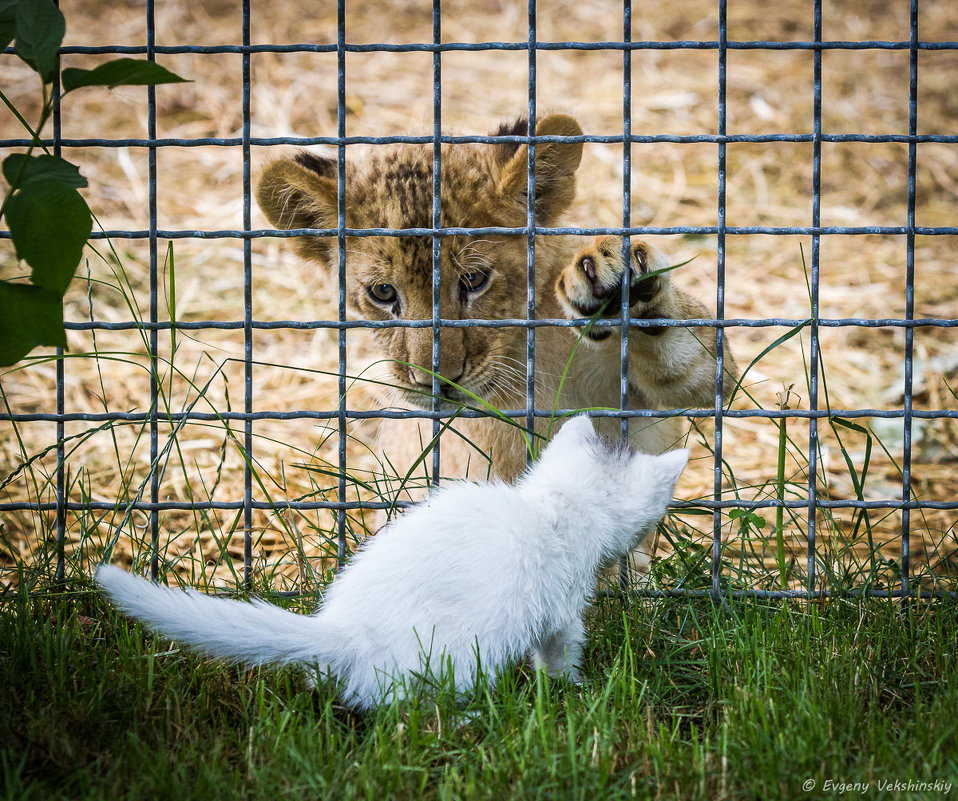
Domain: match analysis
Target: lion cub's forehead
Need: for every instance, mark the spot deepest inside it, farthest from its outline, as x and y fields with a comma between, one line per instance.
x=394, y=189
x=402, y=260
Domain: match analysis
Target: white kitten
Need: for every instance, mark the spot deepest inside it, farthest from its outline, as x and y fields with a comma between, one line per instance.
x=478, y=570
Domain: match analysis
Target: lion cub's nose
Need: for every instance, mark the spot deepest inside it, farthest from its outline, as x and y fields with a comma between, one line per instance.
x=423, y=378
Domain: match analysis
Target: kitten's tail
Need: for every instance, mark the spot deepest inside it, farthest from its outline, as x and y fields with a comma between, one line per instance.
x=253, y=633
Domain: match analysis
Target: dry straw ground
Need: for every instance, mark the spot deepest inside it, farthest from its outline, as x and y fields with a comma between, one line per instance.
x=674, y=92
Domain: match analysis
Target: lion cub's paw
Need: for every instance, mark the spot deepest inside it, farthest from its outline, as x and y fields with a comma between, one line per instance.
x=590, y=284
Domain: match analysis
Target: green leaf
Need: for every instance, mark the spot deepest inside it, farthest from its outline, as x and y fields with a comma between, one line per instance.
x=120, y=72
x=29, y=316
x=50, y=223
x=41, y=168
x=40, y=29
x=746, y=519
x=758, y=522
x=8, y=22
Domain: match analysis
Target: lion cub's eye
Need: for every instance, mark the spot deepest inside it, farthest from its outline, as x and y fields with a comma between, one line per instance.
x=382, y=293
x=474, y=281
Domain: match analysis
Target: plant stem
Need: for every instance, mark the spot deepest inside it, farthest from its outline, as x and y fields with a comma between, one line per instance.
x=780, y=510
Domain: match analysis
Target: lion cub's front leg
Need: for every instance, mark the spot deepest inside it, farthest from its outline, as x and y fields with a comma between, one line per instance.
x=669, y=366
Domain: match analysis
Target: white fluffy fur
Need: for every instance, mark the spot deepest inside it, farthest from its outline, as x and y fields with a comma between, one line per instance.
x=481, y=570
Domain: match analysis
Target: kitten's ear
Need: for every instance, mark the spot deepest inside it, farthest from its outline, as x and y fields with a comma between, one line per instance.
x=573, y=434
x=672, y=464
x=300, y=192
x=578, y=427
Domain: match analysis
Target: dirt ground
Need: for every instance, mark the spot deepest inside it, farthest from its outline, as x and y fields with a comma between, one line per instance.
x=673, y=184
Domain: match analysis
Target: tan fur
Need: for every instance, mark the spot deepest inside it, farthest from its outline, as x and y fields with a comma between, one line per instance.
x=484, y=186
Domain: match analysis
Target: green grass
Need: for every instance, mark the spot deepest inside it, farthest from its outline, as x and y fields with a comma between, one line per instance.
x=680, y=700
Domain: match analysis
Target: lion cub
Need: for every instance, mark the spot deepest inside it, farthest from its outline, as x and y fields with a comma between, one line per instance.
x=483, y=277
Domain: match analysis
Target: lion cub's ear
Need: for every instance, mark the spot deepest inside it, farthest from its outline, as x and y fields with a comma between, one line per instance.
x=300, y=192
x=556, y=163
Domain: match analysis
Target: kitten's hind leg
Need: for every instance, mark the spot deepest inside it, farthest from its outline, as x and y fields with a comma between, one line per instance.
x=558, y=652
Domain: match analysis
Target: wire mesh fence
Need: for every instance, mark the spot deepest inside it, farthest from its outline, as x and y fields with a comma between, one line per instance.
x=143, y=506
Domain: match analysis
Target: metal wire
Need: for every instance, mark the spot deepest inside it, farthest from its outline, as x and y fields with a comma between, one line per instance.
x=393, y=414
x=696, y=230
x=436, y=223
x=341, y=250
x=682, y=44
x=335, y=505
x=721, y=232
x=343, y=414
x=625, y=291
x=909, y=297
x=531, y=225
x=813, y=298
x=247, y=315
x=154, y=300
x=61, y=383
x=609, y=139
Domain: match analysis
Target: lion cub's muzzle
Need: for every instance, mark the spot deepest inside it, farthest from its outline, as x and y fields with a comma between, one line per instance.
x=418, y=388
